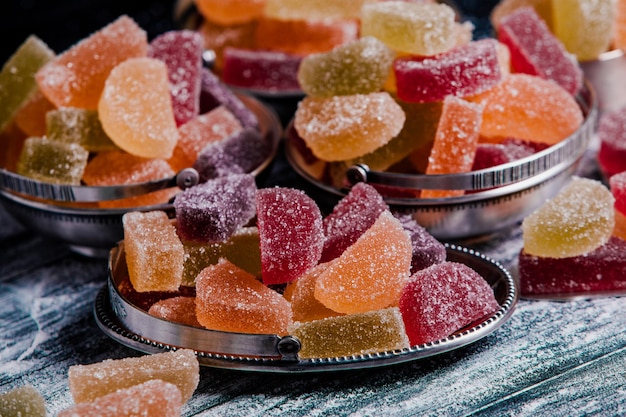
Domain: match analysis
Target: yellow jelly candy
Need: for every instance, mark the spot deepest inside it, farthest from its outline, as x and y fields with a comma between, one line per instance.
x=319, y=9
x=24, y=401
x=301, y=295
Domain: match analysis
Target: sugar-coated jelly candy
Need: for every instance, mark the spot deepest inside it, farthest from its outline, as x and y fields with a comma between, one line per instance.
x=218, y=37
x=357, y=67
x=415, y=28
x=117, y=167
x=442, y=299
x=150, y=398
x=176, y=309
x=17, y=78
x=214, y=94
x=214, y=210
x=51, y=161
x=76, y=77
x=31, y=117
x=22, y=401
x=72, y=125
x=492, y=154
x=301, y=294
x=530, y=108
x=290, y=232
x=230, y=12
x=465, y=70
x=612, y=136
x=320, y=9
x=427, y=250
x=350, y=218
x=600, y=270
x=231, y=300
x=136, y=109
x=617, y=184
x=536, y=50
x=620, y=225
x=344, y=127
x=505, y=7
x=179, y=367
x=455, y=142
x=597, y=19
x=355, y=334
x=154, y=253
x=579, y=219
x=371, y=272
x=620, y=25
x=181, y=50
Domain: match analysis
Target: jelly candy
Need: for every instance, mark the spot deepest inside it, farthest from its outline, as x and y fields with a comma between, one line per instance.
x=530, y=108
x=491, y=154
x=370, y=273
x=71, y=125
x=92, y=381
x=301, y=294
x=136, y=109
x=577, y=220
x=602, y=269
x=617, y=184
x=620, y=25
x=612, y=136
x=344, y=127
x=356, y=334
x=31, y=117
x=415, y=28
x=427, y=250
x=76, y=77
x=350, y=218
x=536, y=51
x=230, y=12
x=212, y=211
x=505, y=7
x=357, y=67
x=181, y=50
x=290, y=232
x=218, y=37
x=176, y=309
x=620, y=225
x=231, y=300
x=51, y=161
x=154, y=397
x=318, y=10
x=12, y=140
x=200, y=131
x=154, y=253
x=23, y=401
x=455, y=142
x=442, y=299
x=466, y=70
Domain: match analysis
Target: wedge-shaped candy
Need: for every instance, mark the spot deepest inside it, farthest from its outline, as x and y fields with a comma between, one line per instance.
x=579, y=219
x=427, y=250
x=442, y=299
x=536, y=50
x=318, y=10
x=71, y=125
x=358, y=67
x=230, y=12
x=466, y=70
x=17, y=78
x=290, y=231
x=76, y=77
x=23, y=401
x=231, y=300
x=355, y=334
x=455, y=142
x=92, y=381
x=181, y=50
x=530, y=108
x=612, y=136
x=617, y=184
x=214, y=94
x=301, y=294
x=51, y=161
x=212, y=211
x=601, y=270
x=154, y=253
x=415, y=28
x=370, y=273
x=176, y=309
x=136, y=109
x=345, y=127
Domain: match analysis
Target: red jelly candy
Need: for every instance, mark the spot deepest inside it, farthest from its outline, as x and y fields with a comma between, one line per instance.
x=618, y=188
x=290, y=231
x=612, y=135
x=442, y=299
x=492, y=154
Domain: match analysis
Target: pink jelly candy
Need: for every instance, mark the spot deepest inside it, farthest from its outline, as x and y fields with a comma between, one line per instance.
x=182, y=53
x=212, y=211
x=353, y=215
x=290, y=231
x=491, y=154
x=618, y=188
x=442, y=299
x=427, y=250
x=612, y=135
x=466, y=70
x=536, y=50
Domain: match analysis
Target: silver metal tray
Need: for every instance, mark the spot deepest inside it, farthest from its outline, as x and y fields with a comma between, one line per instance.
x=133, y=327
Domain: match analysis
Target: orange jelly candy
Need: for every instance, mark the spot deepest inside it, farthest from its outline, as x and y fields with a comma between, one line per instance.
x=301, y=295
x=230, y=12
x=177, y=309
x=76, y=77
x=31, y=117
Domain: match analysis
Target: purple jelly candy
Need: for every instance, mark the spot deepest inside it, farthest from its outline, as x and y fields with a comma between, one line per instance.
x=427, y=250
x=212, y=211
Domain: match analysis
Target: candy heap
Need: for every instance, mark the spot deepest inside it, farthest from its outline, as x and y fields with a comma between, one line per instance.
x=117, y=109
x=348, y=283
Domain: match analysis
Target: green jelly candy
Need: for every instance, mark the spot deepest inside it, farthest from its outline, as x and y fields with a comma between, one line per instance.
x=80, y=126
x=51, y=161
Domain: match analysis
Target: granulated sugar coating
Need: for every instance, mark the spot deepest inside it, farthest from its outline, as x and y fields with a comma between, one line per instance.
x=231, y=300
x=176, y=309
x=214, y=210
x=492, y=154
x=117, y=167
x=52, y=161
x=441, y=299
x=612, y=136
x=427, y=250
x=151, y=398
x=617, y=184
x=290, y=232
x=136, y=109
x=344, y=127
x=505, y=7
x=76, y=77
x=80, y=126
x=370, y=273
x=89, y=382
x=181, y=51
x=31, y=117
x=320, y=9
x=578, y=220
x=22, y=401
x=358, y=67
